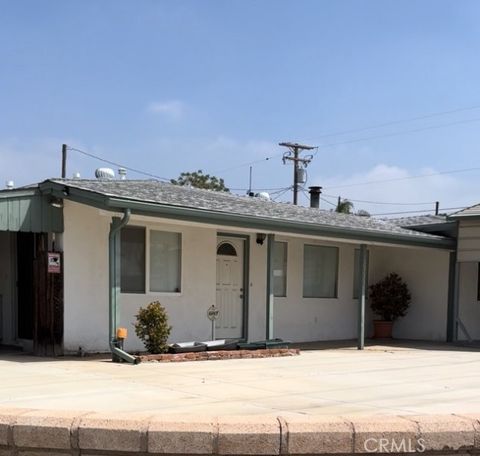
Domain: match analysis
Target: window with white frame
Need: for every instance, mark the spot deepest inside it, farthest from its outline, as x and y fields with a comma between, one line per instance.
x=132, y=259
x=165, y=261
x=320, y=271
x=164, y=264
x=280, y=269
x=357, y=272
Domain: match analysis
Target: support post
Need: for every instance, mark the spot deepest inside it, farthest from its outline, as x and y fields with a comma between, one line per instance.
x=362, y=297
x=456, y=301
x=270, y=295
x=452, y=289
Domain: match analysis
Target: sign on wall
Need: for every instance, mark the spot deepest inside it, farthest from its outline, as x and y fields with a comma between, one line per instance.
x=54, y=263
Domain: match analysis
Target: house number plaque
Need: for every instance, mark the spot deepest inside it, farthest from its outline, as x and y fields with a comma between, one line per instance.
x=212, y=314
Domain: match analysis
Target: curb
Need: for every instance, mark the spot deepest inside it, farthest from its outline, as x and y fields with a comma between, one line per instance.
x=42, y=432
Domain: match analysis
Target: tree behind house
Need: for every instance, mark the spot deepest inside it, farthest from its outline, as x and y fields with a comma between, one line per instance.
x=199, y=180
x=344, y=206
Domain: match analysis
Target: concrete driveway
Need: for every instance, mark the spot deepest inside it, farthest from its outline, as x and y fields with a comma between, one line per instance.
x=380, y=380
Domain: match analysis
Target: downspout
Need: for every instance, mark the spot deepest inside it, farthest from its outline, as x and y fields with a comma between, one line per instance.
x=115, y=228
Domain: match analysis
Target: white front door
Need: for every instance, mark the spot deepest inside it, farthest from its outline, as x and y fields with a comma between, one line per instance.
x=229, y=324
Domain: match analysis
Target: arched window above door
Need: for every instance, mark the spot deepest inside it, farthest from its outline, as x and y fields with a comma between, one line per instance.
x=226, y=249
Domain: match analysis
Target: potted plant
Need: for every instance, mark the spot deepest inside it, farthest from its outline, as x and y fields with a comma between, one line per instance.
x=389, y=299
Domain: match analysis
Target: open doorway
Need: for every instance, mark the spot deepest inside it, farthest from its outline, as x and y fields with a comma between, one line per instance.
x=31, y=294
x=25, y=246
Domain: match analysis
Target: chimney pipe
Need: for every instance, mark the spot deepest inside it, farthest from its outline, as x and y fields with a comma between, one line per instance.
x=315, y=193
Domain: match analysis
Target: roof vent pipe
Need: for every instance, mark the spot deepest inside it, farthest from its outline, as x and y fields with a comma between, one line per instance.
x=122, y=173
x=9, y=185
x=315, y=193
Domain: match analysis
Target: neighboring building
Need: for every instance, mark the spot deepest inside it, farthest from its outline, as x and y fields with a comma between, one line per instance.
x=467, y=299
x=273, y=269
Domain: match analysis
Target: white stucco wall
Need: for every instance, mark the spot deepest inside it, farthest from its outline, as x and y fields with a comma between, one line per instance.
x=85, y=243
x=468, y=304
x=426, y=273
x=309, y=319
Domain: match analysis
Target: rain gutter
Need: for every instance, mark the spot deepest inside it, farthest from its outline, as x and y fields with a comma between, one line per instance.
x=115, y=228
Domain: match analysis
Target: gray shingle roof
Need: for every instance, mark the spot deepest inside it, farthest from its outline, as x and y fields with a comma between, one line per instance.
x=419, y=220
x=220, y=202
x=472, y=211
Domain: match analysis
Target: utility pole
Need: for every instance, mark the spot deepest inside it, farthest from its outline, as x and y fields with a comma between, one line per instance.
x=293, y=155
x=64, y=161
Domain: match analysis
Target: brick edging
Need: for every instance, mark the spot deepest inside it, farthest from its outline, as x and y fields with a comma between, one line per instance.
x=220, y=354
x=77, y=433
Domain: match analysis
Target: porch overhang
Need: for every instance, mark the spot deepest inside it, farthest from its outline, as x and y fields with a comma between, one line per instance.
x=153, y=209
x=29, y=211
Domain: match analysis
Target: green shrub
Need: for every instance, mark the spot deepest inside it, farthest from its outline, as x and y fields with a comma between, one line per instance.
x=152, y=327
x=390, y=298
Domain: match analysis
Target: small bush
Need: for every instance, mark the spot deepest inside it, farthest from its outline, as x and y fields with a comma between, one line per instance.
x=152, y=327
x=390, y=297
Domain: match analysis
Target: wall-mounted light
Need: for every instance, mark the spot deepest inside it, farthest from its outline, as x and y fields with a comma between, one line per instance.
x=261, y=238
x=56, y=202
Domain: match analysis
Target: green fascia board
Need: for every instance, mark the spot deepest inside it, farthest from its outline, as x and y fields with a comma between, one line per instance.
x=283, y=226
x=112, y=203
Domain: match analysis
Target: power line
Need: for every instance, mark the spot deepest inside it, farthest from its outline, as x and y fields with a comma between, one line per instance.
x=396, y=122
x=328, y=202
x=257, y=189
x=399, y=133
x=133, y=170
x=443, y=209
x=247, y=164
x=405, y=178
x=280, y=194
x=416, y=130
x=380, y=202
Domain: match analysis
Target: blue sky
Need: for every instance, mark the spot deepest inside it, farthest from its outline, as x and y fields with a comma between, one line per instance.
x=173, y=86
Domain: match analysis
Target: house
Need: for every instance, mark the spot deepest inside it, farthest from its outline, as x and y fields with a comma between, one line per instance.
x=100, y=249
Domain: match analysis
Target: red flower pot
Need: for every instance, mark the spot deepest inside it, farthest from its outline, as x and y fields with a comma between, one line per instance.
x=383, y=329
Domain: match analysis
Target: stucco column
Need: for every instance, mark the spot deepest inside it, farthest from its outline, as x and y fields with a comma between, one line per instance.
x=270, y=295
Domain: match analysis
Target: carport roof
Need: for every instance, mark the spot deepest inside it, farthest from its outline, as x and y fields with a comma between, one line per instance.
x=150, y=197
x=469, y=212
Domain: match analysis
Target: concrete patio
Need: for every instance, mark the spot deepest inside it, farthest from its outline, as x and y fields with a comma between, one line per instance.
x=399, y=379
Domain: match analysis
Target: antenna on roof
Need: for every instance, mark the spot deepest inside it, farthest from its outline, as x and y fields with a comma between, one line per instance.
x=64, y=161
x=249, y=192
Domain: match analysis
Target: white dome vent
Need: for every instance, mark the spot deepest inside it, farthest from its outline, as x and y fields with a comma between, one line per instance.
x=263, y=195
